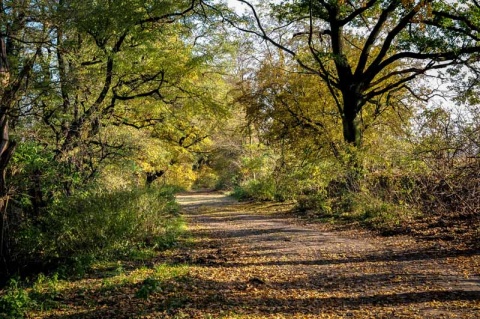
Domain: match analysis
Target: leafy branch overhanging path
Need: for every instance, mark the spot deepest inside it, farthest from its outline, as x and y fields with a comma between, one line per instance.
x=255, y=261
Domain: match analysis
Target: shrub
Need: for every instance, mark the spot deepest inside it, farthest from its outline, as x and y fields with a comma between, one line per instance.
x=372, y=212
x=15, y=301
x=87, y=226
x=317, y=203
x=262, y=189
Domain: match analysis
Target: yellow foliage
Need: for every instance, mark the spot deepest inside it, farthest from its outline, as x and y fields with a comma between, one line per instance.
x=180, y=175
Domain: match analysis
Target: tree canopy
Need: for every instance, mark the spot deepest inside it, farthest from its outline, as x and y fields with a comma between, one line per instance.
x=370, y=53
x=335, y=105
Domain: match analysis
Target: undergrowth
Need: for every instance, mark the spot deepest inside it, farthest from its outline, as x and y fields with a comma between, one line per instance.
x=362, y=208
x=384, y=190
x=85, y=230
x=80, y=229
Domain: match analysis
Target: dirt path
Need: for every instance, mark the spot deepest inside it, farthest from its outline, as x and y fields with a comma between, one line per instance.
x=253, y=261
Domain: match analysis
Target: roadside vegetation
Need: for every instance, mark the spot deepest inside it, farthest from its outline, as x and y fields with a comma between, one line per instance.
x=108, y=108
x=417, y=189
x=108, y=234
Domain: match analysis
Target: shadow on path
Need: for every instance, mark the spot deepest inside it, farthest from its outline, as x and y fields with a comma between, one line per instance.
x=249, y=262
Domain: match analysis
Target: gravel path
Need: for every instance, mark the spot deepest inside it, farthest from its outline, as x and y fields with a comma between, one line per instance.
x=253, y=261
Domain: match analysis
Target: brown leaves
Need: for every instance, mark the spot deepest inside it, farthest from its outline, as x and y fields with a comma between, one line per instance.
x=250, y=271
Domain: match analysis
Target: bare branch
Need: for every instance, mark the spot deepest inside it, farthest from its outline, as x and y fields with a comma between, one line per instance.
x=362, y=61
x=169, y=17
x=437, y=57
x=358, y=12
x=372, y=69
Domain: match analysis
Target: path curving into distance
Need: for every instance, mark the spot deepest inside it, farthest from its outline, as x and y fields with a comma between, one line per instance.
x=254, y=261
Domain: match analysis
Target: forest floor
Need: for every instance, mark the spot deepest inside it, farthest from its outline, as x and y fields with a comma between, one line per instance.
x=247, y=260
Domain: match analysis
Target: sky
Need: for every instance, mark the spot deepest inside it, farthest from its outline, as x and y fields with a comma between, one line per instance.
x=237, y=5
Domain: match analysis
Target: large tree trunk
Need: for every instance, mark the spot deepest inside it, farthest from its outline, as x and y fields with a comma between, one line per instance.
x=352, y=135
x=6, y=151
x=351, y=131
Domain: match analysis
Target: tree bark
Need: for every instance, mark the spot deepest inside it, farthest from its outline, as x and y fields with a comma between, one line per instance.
x=351, y=131
x=6, y=146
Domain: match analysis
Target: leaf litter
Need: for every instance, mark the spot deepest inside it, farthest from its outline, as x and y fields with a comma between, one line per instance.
x=250, y=260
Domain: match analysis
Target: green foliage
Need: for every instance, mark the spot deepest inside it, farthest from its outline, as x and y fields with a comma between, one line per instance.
x=120, y=90
x=206, y=179
x=261, y=189
x=15, y=301
x=339, y=204
x=18, y=297
x=277, y=186
x=317, y=203
x=45, y=291
x=373, y=212
x=148, y=287
x=38, y=178
x=88, y=226
x=31, y=156
x=113, y=85
x=172, y=231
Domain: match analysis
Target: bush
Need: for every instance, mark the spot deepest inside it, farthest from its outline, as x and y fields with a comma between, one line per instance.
x=87, y=226
x=378, y=203
x=317, y=203
x=377, y=214
x=261, y=189
x=14, y=302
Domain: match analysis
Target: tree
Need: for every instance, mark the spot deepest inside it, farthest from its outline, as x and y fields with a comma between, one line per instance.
x=366, y=51
x=114, y=64
x=89, y=86
x=74, y=72
x=22, y=36
x=289, y=107
x=124, y=50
